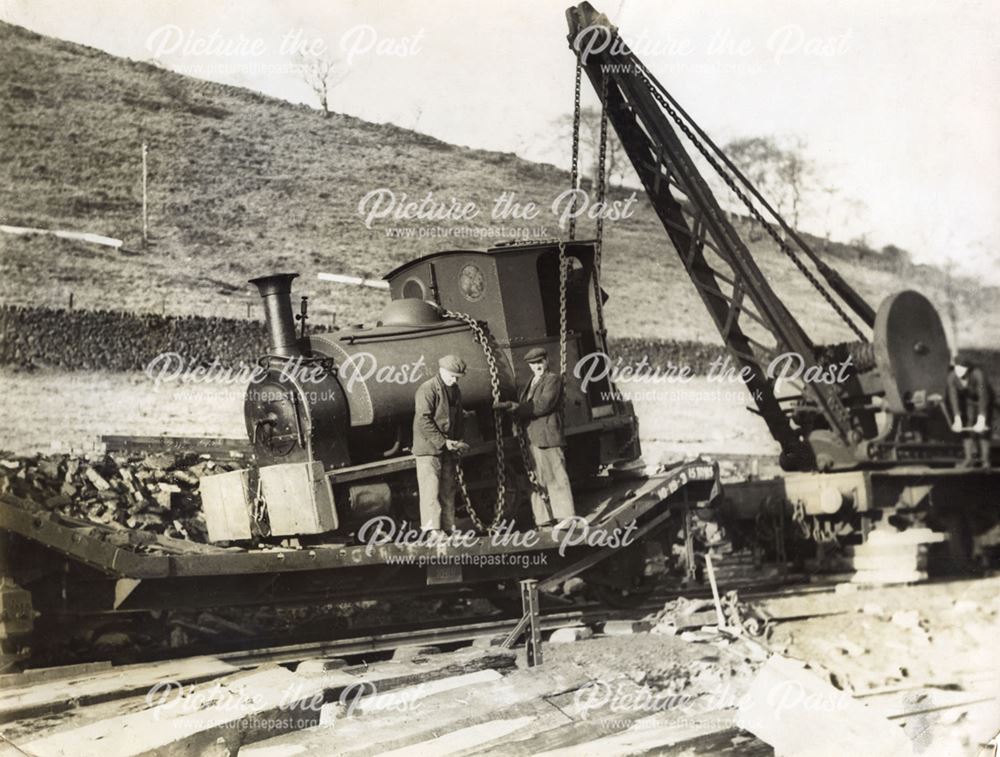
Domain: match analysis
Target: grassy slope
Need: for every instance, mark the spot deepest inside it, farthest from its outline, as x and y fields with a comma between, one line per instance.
x=242, y=184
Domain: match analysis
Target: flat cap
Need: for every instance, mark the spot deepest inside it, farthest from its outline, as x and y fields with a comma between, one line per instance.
x=452, y=364
x=535, y=354
x=964, y=357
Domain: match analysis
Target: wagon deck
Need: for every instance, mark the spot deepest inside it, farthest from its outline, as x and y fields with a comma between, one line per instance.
x=137, y=565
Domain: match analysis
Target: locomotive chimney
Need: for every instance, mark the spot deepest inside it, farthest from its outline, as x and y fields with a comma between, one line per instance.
x=276, y=291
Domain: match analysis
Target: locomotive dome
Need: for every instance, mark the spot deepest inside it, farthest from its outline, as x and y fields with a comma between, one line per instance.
x=409, y=312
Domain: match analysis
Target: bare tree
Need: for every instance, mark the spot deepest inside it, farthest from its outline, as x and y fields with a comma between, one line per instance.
x=951, y=294
x=780, y=170
x=616, y=163
x=830, y=193
x=795, y=171
x=418, y=111
x=322, y=74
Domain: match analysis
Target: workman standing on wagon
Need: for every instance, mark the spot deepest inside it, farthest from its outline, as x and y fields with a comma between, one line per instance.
x=541, y=409
x=437, y=440
x=970, y=402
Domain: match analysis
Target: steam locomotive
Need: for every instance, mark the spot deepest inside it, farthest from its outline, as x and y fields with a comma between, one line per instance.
x=330, y=417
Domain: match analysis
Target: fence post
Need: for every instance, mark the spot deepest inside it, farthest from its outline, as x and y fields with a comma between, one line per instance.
x=145, y=217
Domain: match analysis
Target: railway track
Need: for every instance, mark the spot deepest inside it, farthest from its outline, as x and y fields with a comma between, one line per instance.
x=462, y=685
x=384, y=638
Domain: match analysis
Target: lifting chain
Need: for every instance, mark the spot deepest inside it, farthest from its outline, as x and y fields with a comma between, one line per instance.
x=563, y=276
x=481, y=336
x=812, y=527
x=574, y=172
x=258, y=510
x=769, y=228
x=529, y=466
x=602, y=192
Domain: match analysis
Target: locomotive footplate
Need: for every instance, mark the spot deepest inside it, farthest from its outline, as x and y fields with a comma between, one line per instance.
x=107, y=570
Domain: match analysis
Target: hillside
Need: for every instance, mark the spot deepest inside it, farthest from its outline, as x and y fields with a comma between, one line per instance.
x=242, y=184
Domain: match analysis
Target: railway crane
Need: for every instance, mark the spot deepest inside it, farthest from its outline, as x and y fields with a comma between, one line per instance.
x=874, y=442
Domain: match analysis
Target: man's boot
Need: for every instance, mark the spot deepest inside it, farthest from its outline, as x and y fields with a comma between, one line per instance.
x=970, y=447
x=984, y=451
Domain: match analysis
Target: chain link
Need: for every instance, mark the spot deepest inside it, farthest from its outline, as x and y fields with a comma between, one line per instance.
x=258, y=512
x=812, y=527
x=574, y=173
x=521, y=433
x=602, y=193
x=563, y=275
x=769, y=228
x=482, y=337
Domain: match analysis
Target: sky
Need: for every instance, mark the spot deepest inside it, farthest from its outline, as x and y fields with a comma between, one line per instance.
x=896, y=100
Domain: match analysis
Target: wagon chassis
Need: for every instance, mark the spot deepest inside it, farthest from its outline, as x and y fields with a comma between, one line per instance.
x=108, y=570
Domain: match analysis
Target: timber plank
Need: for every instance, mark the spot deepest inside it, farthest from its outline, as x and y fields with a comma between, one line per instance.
x=86, y=688
x=587, y=719
x=359, y=733
x=248, y=707
x=649, y=735
x=40, y=675
x=544, y=716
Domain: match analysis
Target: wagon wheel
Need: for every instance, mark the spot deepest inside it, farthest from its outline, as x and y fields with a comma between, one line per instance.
x=624, y=597
x=621, y=581
x=506, y=597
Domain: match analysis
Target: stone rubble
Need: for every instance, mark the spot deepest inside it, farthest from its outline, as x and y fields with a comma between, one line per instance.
x=147, y=492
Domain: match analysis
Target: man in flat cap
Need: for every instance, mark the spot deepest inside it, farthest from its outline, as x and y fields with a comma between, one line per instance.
x=437, y=434
x=970, y=401
x=540, y=408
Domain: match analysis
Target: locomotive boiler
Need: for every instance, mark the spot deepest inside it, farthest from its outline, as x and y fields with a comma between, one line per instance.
x=330, y=414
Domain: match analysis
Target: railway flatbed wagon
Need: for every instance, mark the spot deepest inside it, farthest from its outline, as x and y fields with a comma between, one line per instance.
x=61, y=567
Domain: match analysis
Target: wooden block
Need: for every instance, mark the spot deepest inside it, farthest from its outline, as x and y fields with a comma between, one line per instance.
x=569, y=635
x=488, y=641
x=884, y=577
x=625, y=627
x=414, y=651
x=888, y=563
x=910, y=536
x=320, y=665
x=796, y=712
x=299, y=499
x=226, y=502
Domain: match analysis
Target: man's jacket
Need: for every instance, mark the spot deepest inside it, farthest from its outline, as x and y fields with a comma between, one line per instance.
x=541, y=407
x=975, y=398
x=435, y=419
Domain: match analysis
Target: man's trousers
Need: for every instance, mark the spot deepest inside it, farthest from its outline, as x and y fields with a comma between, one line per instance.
x=436, y=484
x=550, y=467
